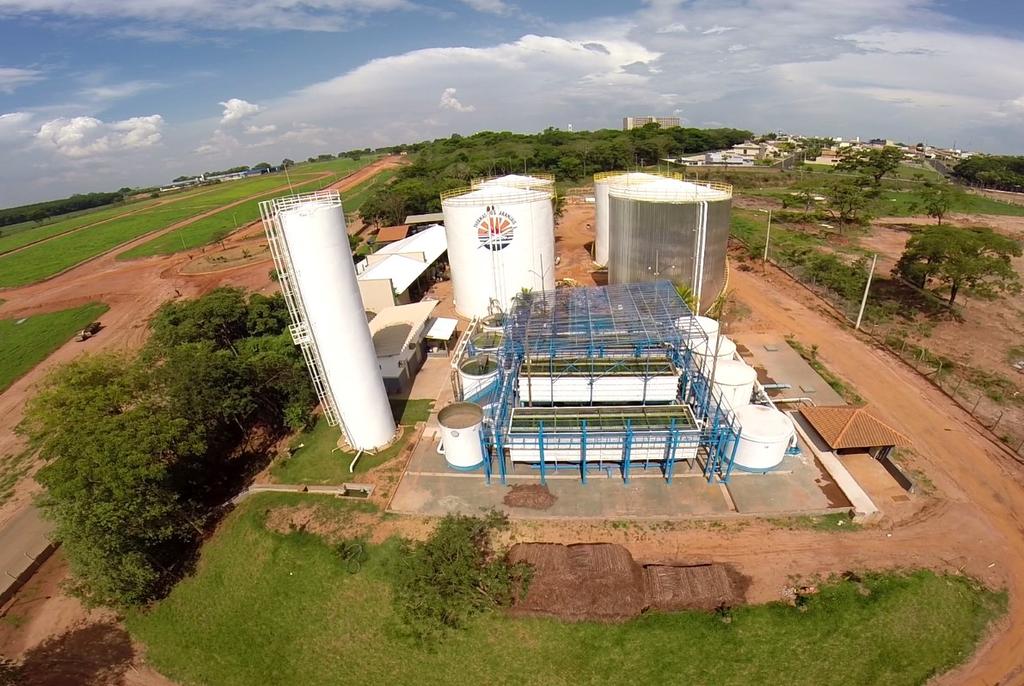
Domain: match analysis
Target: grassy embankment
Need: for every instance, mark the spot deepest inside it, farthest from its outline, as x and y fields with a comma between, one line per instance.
x=43, y=260
x=215, y=227
x=265, y=607
x=24, y=345
x=317, y=463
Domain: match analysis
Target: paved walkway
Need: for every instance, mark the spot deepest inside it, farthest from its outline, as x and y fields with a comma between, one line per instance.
x=24, y=544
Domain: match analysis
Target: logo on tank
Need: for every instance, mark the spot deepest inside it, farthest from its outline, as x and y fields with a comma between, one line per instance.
x=495, y=228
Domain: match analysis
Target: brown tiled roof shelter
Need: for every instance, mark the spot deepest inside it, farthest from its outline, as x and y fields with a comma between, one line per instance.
x=844, y=427
x=390, y=234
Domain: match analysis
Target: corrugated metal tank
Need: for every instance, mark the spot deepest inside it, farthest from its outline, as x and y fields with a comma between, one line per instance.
x=669, y=229
x=500, y=241
x=765, y=434
x=601, y=184
x=317, y=247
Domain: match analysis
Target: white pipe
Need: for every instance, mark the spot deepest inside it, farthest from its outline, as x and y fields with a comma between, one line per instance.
x=702, y=232
x=352, y=465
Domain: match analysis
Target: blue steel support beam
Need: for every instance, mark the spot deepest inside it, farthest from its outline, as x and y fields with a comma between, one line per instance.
x=583, y=452
x=673, y=440
x=540, y=442
x=628, y=450
x=486, y=452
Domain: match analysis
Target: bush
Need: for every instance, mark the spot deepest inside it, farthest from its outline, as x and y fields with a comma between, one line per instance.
x=454, y=575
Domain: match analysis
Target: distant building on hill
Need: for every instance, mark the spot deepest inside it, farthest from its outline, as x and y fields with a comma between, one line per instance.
x=636, y=122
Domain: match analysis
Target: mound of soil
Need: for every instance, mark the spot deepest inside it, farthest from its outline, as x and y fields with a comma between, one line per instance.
x=602, y=582
x=531, y=496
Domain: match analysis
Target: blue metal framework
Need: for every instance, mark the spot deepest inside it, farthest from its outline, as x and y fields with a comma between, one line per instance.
x=631, y=322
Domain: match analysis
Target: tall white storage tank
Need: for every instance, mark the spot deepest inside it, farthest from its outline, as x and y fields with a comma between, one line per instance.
x=310, y=245
x=735, y=381
x=601, y=183
x=693, y=327
x=501, y=240
x=765, y=434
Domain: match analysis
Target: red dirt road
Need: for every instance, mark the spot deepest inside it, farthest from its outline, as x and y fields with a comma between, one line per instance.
x=133, y=290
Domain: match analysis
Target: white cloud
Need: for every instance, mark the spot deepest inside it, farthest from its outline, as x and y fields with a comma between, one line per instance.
x=717, y=29
x=255, y=130
x=236, y=110
x=12, y=78
x=677, y=27
x=310, y=15
x=119, y=91
x=450, y=102
x=489, y=6
x=80, y=137
x=14, y=124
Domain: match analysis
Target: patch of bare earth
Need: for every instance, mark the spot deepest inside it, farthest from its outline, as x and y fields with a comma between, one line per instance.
x=530, y=496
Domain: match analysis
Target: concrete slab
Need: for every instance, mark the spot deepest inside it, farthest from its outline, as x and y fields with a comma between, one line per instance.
x=784, y=365
x=24, y=545
x=799, y=485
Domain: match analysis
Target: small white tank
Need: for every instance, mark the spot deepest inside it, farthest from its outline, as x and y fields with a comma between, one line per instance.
x=704, y=351
x=735, y=381
x=493, y=322
x=765, y=435
x=691, y=327
x=461, y=425
x=487, y=341
x=477, y=374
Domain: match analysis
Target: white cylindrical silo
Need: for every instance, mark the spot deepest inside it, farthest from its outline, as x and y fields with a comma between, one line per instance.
x=697, y=327
x=765, y=434
x=601, y=230
x=477, y=374
x=461, y=425
x=735, y=381
x=318, y=257
x=704, y=351
x=501, y=240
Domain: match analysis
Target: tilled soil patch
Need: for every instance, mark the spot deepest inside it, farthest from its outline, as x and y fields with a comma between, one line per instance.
x=531, y=496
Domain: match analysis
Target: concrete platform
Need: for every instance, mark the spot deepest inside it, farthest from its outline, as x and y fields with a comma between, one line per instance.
x=784, y=365
x=799, y=486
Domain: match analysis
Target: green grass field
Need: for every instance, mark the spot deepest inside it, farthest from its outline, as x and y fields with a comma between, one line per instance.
x=317, y=463
x=24, y=345
x=41, y=261
x=215, y=227
x=268, y=608
x=353, y=200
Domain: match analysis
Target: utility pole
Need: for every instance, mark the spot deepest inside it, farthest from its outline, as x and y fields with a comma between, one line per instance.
x=867, y=287
x=767, y=236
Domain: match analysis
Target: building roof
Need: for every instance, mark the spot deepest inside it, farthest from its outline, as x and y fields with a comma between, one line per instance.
x=441, y=328
x=431, y=241
x=395, y=328
x=390, y=234
x=841, y=427
x=405, y=260
x=429, y=218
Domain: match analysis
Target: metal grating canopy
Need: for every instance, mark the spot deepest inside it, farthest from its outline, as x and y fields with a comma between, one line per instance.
x=632, y=318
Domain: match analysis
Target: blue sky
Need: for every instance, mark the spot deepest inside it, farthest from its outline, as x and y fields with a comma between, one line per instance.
x=96, y=94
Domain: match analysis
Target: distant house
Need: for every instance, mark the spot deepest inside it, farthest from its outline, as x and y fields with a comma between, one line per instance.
x=400, y=272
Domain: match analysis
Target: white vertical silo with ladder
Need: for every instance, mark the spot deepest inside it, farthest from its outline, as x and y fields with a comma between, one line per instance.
x=309, y=243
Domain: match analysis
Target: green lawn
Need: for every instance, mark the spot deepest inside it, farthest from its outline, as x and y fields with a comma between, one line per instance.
x=24, y=345
x=41, y=261
x=318, y=463
x=269, y=608
x=895, y=203
x=215, y=227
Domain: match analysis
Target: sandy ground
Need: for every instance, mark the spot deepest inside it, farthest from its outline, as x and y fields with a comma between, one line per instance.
x=971, y=524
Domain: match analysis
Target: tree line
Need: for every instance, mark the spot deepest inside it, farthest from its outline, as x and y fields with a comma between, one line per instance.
x=41, y=211
x=1001, y=172
x=140, y=450
x=572, y=156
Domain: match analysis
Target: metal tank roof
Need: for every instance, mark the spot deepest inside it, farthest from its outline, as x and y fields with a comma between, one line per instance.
x=671, y=190
x=764, y=424
x=491, y=193
x=734, y=373
x=539, y=181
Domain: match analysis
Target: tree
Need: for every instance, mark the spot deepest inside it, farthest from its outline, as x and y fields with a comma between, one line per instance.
x=287, y=163
x=847, y=201
x=872, y=162
x=937, y=200
x=959, y=257
x=262, y=165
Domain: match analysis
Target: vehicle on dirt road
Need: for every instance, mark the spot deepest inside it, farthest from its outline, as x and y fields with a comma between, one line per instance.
x=88, y=332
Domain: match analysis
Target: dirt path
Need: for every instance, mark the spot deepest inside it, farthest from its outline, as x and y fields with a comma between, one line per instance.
x=979, y=480
x=133, y=290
